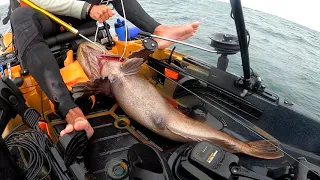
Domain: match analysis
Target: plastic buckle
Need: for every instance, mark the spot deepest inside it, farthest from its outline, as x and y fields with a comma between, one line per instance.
x=31, y=117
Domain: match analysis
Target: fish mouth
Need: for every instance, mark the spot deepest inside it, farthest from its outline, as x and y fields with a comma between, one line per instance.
x=88, y=56
x=92, y=58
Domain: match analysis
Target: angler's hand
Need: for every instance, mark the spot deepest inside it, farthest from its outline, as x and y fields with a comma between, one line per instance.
x=77, y=121
x=100, y=13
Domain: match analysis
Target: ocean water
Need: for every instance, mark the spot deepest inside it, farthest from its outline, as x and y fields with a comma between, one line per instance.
x=285, y=54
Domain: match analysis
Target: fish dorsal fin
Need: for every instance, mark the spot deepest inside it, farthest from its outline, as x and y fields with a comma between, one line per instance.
x=131, y=66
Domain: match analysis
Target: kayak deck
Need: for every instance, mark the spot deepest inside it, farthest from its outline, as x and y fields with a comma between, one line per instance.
x=109, y=142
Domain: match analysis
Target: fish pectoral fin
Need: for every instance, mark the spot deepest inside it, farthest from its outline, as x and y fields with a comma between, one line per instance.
x=113, y=78
x=131, y=66
x=89, y=88
x=141, y=53
x=265, y=149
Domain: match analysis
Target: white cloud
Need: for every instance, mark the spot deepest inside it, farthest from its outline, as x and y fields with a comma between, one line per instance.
x=4, y=2
x=302, y=12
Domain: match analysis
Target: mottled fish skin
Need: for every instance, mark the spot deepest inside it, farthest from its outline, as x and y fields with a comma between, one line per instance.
x=141, y=101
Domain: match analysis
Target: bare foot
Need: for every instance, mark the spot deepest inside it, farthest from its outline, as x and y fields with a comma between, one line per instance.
x=179, y=33
x=77, y=121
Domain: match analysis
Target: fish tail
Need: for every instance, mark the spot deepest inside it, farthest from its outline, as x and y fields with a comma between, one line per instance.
x=265, y=149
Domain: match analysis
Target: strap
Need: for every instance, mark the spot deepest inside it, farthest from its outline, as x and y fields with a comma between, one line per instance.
x=90, y=8
x=12, y=6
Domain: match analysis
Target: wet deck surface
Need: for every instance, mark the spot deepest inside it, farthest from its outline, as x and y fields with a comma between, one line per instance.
x=109, y=143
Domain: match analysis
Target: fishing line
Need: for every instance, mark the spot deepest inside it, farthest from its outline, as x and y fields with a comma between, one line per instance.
x=125, y=25
x=96, y=34
x=238, y=121
x=41, y=104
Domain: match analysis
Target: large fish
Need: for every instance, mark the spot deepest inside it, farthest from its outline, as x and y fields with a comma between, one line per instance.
x=142, y=102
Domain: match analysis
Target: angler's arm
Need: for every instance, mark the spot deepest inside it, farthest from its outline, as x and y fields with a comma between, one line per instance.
x=73, y=8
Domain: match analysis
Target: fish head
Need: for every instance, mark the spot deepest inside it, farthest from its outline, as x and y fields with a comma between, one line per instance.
x=99, y=63
x=92, y=58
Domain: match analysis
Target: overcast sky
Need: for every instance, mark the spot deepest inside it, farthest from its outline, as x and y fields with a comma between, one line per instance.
x=305, y=12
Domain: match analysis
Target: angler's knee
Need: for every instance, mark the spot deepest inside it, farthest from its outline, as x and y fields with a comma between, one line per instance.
x=26, y=28
x=23, y=23
x=21, y=14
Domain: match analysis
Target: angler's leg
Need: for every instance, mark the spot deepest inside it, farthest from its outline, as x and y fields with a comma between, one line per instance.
x=30, y=28
x=136, y=15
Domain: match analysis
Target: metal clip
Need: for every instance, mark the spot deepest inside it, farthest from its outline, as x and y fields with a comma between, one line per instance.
x=9, y=70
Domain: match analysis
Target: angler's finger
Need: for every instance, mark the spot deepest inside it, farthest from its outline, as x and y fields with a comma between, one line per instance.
x=83, y=124
x=98, y=18
x=69, y=128
x=103, y=17
x=110, y=12
x=104, y=14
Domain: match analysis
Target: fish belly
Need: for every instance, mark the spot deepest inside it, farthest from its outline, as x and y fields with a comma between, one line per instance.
x=143, y=103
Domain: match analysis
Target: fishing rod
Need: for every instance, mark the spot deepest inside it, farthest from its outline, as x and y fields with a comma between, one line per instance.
x=61, y=22
x=146, y=34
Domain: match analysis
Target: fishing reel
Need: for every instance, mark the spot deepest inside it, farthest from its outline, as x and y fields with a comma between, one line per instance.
x=147, y=41
x=224, y=44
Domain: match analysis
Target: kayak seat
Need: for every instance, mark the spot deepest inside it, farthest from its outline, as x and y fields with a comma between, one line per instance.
x=58, y=43
x=86, y=29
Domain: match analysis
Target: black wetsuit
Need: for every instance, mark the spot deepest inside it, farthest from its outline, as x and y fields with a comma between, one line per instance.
x=31, y=27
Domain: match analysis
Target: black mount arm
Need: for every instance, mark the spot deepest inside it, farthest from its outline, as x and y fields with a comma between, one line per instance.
x=106, y=39
x=242, y=36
